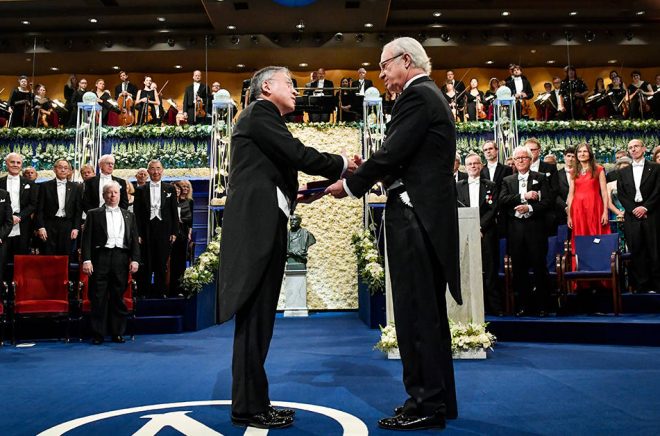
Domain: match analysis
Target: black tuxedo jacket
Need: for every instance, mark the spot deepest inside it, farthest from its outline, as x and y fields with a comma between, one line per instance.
x=92, y=199
x=367, y=84
x=6, y=220
x=132, y=89
x=265, y=157
x=487, y=201
x=527, y=87
x=168, y=210
x=420, y=149
x=562, y=190
x=535, y=228
x=327, y=87
x=29, y=199
x=189, y=100
x=461, y=176
x=649, y=188
x=48, y=203
x=95, y=235
x=501, y=171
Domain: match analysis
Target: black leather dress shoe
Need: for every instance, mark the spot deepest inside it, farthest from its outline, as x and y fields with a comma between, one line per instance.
x=399, y=410
x=118, y=339
x=97, y=340
x=412, y=422
x=281, y=412
x=263, y=420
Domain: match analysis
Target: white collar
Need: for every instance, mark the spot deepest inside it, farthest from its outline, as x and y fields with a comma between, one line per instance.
x=413, y=79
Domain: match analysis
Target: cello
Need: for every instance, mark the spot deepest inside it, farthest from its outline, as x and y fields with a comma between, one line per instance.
x=125, y=104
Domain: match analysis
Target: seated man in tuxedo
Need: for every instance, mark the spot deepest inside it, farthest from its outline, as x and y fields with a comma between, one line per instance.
x=525, y=199
x=109, y=251
x=59, y=212
x=482, y=193
x=93, y=187
x=638, y=189
x=564, y=180
x=157, y=218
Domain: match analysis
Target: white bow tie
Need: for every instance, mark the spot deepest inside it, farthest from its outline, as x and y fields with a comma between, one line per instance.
x=13, y=177
x=106, y=177
x=61, y=182
x=641, y=164
x=112, y=209
x=524, y=178
x=155, y=185
x=473, y=182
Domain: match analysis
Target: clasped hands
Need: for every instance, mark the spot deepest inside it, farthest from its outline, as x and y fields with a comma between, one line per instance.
x=337, y=188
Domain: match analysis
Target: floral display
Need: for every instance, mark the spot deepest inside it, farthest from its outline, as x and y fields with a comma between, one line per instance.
x=464, y=337
x=205, y=268
x=369, y=260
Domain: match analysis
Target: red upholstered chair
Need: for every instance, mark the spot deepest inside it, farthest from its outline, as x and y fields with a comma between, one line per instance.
x=84, y=305
x=41, y=288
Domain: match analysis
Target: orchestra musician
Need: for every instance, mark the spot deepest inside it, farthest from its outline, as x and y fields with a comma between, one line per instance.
x=125, y=94
x=44, y=109
x=490, y=95
x=449, y=93
x=474, y=106
x=596, y=103
x=146, y=102
x=521, y=89
x=617, y=99
x=104, y=99
x=638, y=92
x=655, y=100
x=194, y=98
x=345, y=100
x=160, y=111
x=76, y=98
x=542, y=103
x=20, y=104
x=125, y=87
x=575, y=91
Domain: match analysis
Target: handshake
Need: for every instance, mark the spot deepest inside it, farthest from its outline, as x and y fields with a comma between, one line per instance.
x=336, y=189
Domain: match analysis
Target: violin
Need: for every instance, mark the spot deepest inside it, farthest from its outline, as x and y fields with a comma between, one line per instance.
x=125, y=104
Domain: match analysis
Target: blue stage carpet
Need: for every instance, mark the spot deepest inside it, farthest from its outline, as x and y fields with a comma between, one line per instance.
x=325, y=360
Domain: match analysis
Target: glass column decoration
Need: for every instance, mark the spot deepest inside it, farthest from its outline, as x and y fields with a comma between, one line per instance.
x=87, y=149
x=219, y=156
x=373, y=134
x=505, y=123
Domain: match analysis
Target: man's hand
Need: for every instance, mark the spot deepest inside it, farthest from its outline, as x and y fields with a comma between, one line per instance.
x=353, y=164
x=172, y=239
x=522, y=209
x=639, y=212
x=16, y=219
x=531, y=195
x=74, y=234
x=336, y=189
x=43, y=235
x=133, y=267
x=88, y=268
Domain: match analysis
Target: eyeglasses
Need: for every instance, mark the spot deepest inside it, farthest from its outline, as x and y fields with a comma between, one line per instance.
x=521, y=158
x=386, y=62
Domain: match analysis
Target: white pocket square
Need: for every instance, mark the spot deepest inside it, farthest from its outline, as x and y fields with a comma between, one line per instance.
x=534, y=182
x=26, y=187
x=169, y=194
x=2, y=201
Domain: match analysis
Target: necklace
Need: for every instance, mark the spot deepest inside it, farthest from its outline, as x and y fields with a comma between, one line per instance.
x=583, y=171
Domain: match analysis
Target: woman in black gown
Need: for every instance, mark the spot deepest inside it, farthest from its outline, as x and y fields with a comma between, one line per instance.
x=20, y=104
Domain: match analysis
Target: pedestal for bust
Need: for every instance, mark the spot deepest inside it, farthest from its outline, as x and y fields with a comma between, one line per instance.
x=472, y=310
x=295, y=290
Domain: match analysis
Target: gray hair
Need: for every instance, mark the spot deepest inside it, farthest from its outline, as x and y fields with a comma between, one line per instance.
x=105, y=157
x=154, y=161
x=524, y=149
x=470, y=154
x=262, y=76
x=414, y=49
x=112, y=184
x=14, y=154
x=622, y=161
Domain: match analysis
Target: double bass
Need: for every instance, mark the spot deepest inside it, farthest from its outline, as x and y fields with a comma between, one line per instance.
x=125, y=104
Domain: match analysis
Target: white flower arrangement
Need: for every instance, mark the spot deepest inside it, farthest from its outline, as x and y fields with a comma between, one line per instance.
x=464, y=337
x=205, y=267
x=369, y=260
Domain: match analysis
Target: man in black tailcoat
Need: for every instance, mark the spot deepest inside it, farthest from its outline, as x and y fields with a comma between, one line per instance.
x=550, y=172
x=110, y=250
x=525, y=198
x=24, y=200
x=638, y=189
x=416, y=163
x=155, y=209
x=564, y=180
x=93, y=187
x=263, y=185
x=477, y=191
x=190, y=98
x=125, y=87
x=323, y=89
x=520, y=87
x=59, y=212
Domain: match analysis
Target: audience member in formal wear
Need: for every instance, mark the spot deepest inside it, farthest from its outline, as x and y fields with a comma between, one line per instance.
x=551, y=159
x=564, y=181
x=617, y=211
x=130, y=193
x=458, y=85
x=87, y=172
x=141, y=177
x=520, y=88
x=321, y=87
x=23, y=196
x=458, y=174
x=110, y=250
x=156, y=214
x=494, y=170
x=195, y=93
x=125, y=87
x=480, y=192
x=638, y=188
x=59, y=212
x=422, y=232
x=655, y=154
x=550, y=172
x=30, y=173
x=509, y=162
x=587, y=197
x=184, y=230
x=345, y=101
x=525, y=198
x=93, y=187
x=6, y=224
x=361, y=84
x=611, y=175
x=76, y=98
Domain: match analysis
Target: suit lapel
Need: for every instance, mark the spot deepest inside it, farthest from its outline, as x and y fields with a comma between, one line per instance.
x=103, y=222
x=463, y=193
x=646, y=173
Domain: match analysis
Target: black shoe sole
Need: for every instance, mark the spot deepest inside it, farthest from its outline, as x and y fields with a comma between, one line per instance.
x=240, y=422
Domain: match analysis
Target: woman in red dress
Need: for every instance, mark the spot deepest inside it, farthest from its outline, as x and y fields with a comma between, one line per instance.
x=587, y=197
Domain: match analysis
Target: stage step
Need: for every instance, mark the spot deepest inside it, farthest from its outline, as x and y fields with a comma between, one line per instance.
x=626, y=329
x=159, y=324
x=160, y=306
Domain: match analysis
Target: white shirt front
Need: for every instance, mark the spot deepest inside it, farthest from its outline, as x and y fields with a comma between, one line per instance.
x=115, y=222
x=491, y=170
x=154, y=188
x=523, y=180
x=104, y=179
x=14, y=189
x=535, y=166
x=519, y=84
x=473, y=187
x=560, y=102
x=61, y=198
x=196, y=88
x=638, y=170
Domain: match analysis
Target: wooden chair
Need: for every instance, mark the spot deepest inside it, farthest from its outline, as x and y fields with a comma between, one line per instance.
x=41, y=288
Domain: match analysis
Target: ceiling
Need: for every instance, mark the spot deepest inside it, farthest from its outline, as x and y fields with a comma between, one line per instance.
x=158, y=35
